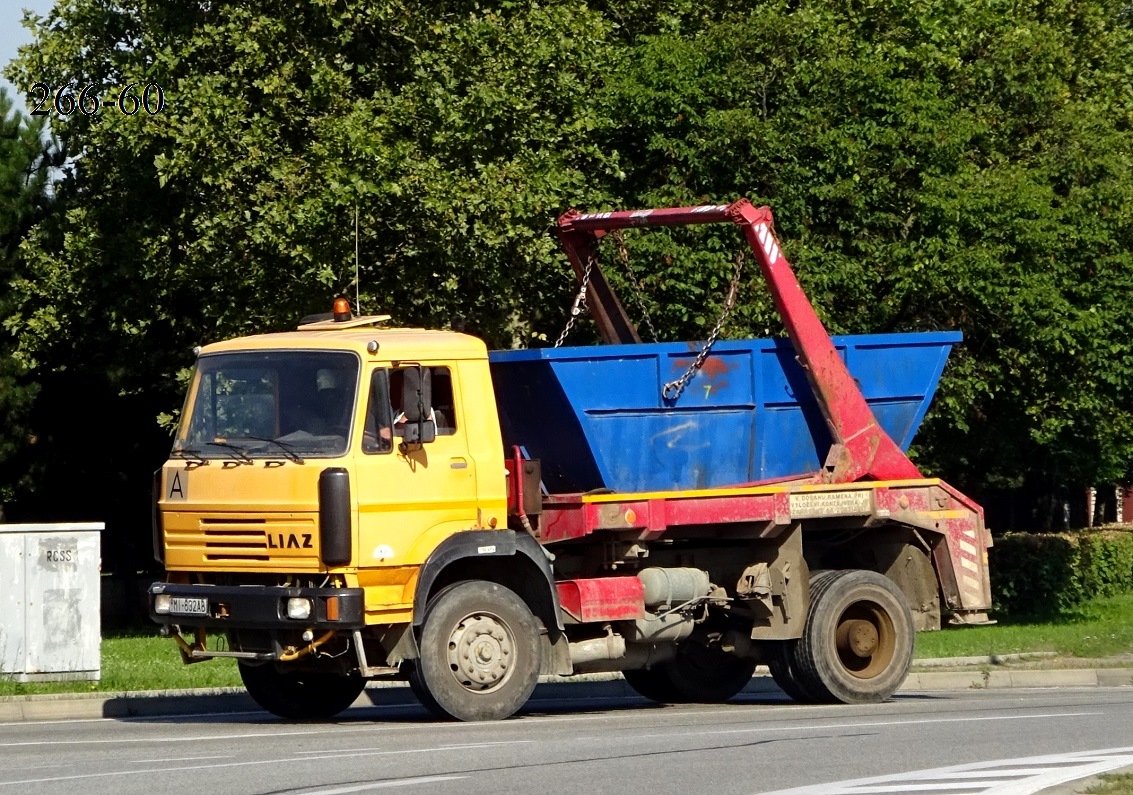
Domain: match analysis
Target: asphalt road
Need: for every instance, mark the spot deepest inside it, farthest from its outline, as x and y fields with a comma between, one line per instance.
x=758, y=743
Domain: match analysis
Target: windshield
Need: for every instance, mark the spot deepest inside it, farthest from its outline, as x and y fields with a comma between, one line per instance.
x=270, y=404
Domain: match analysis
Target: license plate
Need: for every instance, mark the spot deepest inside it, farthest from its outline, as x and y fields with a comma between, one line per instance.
x=189, y=605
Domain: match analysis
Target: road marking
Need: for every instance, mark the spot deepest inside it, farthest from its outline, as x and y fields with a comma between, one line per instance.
x=139, y=718
x=359, y=753
x=250, y=763
x=357, y=716
x=872, y=724
x=198, y=738
x=1002, y=777
x=174, y=759
x=405, y=782
x=308, y=755
x=368, y=728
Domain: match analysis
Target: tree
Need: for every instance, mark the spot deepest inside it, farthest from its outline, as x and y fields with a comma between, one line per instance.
x=235, y=205
x=27, y=157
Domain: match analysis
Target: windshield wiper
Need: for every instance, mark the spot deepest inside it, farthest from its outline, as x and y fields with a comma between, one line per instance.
x=193, y=455
x=237, y=453
x=288, y=450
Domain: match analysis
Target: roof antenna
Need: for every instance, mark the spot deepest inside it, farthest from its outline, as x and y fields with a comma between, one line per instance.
x=357, y=288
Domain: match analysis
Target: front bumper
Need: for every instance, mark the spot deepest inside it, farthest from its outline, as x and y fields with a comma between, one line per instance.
x=257, y=607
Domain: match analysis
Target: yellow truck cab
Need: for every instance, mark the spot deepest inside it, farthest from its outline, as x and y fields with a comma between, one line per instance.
x=313, y=474
x=274, y=420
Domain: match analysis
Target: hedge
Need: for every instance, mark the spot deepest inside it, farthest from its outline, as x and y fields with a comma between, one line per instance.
x=1036, y=575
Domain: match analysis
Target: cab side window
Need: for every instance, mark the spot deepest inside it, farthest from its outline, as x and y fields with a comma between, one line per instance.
x=383, y=409
x=444, y=410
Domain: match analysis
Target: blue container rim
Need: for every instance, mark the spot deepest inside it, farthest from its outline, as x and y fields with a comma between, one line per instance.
x=907, y=338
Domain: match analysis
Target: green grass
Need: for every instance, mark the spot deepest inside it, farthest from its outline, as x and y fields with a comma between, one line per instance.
x=1101, y=628
x=1113, y=784
x=139, y=662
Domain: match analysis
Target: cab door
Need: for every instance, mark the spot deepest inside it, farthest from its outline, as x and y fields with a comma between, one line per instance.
x=410, y=496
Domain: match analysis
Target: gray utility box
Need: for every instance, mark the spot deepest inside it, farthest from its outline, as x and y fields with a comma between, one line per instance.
x=49, y=601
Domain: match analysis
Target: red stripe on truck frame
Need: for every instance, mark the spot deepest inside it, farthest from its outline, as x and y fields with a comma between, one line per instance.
x=603, y=599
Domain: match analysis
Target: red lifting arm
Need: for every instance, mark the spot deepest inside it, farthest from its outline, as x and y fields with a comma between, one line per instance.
x=581, y=247
x=861, y=449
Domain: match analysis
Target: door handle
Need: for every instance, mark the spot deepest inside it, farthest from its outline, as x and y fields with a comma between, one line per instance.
x=457, y=462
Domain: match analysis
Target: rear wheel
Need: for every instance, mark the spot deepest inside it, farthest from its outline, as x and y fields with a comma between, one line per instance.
x=652, y=683
x=857, y=644
x=700, y=672
x=480, y=651
x=706, y=674
x=781, y=662
x=300, y=695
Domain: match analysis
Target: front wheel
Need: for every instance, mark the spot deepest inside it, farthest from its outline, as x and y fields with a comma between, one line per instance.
x=857, y=644
x=417, y=687
x=480, y=652
x=300, y=695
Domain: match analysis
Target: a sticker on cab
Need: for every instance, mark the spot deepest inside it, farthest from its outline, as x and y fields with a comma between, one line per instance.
x=176, y=485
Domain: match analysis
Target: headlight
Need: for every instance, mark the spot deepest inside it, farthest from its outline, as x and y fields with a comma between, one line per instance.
x=298, y=608
x=161, y=603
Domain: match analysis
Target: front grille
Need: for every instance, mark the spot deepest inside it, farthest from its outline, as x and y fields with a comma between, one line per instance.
x=258, y=539
x=234, y=539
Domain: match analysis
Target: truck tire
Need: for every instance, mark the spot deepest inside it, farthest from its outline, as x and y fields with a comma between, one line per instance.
x=300, y=695
x=858, y=640
x=781, y=663
x=413, y=671
x=417, y=687
x=480, y=652
x=781, y=659
x=651, y=683
x=699, y=674
x=704, y=674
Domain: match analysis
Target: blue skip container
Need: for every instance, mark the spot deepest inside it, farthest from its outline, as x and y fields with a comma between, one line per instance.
x=596, y=419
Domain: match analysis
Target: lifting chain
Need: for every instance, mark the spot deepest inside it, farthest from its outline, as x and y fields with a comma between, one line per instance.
x=673, y=389
x=579, y=307
x=640, y=293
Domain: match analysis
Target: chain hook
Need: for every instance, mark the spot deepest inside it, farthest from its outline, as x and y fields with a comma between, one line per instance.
x=579, y=307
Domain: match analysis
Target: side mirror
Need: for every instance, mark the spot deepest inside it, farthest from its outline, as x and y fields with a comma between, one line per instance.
x=416, y=393
x=421, y=432
x=417, y=406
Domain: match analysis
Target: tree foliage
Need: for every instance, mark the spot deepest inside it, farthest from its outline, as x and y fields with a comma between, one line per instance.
x=931, y=164
x=27, y=156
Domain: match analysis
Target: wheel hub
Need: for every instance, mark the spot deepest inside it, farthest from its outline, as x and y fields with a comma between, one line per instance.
x=865, y=640
x=861, y=638
x=480, y=652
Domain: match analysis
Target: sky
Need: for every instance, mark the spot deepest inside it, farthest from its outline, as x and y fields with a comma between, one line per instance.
x=13, y=34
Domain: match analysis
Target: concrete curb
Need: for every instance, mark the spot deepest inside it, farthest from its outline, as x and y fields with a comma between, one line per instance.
x=92, y=706
x=991, y=659
x=992, y=679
